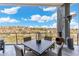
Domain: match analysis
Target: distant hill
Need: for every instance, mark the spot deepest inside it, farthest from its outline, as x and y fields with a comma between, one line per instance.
x=21, y=29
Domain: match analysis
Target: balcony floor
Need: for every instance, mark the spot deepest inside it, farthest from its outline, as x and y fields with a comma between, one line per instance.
x=10, y=51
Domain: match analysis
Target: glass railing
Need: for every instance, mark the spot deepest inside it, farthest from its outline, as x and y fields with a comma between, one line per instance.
x=17, y=38
x=74, y=35
x=75, y=39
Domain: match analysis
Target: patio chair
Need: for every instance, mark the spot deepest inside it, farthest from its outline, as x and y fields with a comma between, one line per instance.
x=19, y=51
x=48, y=38
x=58, y=46
x=2, y=45
x=58, y=50
x=25, y=40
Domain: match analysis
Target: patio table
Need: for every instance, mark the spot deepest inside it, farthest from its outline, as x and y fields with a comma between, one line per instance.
x=39, y=48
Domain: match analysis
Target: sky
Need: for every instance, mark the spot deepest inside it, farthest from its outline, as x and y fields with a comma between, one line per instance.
x=33, y=16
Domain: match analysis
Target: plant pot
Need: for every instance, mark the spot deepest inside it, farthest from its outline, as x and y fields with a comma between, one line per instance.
x=38, y=41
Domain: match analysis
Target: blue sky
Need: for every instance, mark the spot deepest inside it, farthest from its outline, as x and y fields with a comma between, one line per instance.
x=33, y=16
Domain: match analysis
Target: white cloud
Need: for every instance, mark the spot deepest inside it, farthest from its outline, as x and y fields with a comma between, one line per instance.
x=35, y=17
x=7, y=20
x=40, y=18
x=54, y=16
x=44, y=26
x=54, y=25
x=12, y=10
x=31, y=26
x=44, y=18
x=73, y=24
x=36, y=26
x=72, y=12
x=49, y=8
x=25, y=19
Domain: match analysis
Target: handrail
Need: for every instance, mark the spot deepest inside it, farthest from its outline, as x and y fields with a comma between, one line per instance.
x=25, y=33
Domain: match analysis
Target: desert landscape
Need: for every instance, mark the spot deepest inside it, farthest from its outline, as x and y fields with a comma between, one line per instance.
x=15, y=34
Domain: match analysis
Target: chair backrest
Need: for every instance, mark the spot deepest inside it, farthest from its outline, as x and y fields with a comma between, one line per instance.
x=18, y=50
x=48, y=38
x=60, y=51
x=27, y=39
x=1, y=44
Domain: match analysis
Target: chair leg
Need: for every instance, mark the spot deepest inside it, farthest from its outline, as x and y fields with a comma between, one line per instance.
x=24, y=51
x=3, y=51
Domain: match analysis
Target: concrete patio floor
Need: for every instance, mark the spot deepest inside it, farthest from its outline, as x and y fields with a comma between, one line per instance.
x=10, y=51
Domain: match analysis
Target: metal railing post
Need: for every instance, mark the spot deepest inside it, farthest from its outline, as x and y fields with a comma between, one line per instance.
x=16, y=38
